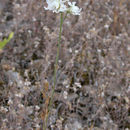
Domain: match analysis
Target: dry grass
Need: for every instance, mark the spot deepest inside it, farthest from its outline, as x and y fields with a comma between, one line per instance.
x=92, y=90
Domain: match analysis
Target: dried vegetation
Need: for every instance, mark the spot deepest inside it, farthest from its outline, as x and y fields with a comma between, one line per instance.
x=92, y=92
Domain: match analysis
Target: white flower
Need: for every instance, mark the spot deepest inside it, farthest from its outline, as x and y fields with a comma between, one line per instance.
x=3, y=109
x=37, y=107
x=56, y=5
x=59, y=6
x=65, y=94
x=75, y=10
x=19, y=95
x=21, y=106
x=78, y=85
x=10, y=101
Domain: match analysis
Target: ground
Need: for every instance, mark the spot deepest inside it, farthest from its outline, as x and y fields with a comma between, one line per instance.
x=92, y=90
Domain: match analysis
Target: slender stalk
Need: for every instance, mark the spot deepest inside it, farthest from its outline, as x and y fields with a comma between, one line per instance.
x=65, y=16
x=55, y=71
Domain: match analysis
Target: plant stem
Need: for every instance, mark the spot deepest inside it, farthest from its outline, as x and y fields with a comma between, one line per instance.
x=65, y=16
x=55, y=71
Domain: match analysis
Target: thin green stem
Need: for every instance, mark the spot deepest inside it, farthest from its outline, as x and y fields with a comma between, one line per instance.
x=65, y=16
x=55, y=71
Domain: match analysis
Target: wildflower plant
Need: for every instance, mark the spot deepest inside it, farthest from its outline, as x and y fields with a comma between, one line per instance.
x=63, y=7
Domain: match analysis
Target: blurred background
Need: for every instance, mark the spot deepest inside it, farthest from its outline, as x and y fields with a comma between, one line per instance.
x=92, y=91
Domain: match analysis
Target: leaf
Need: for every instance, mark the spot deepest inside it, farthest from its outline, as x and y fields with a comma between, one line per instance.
x=6, y=40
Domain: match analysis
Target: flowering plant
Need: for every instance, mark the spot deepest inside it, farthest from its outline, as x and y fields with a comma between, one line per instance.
x=59, y=6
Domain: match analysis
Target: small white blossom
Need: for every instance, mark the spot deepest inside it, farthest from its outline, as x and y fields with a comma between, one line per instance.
x=75, y=10
x=37, y=107
x=37, y=126
x=65, y=82
x=56, y=5
x=78, y=85
x=29, y=110
x=27, y=83
x=5, y=120
x=70, y=50
x=76, y=51
x=106, y=26
x=19, y=95
x=102, y=94
x=10, y=101
x=67, y=86
x=3, y=109
x=65, y=94
x=20, y=105
x=59, y=61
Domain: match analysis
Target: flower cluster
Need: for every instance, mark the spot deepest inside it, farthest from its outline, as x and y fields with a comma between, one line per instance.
x=58, y=6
